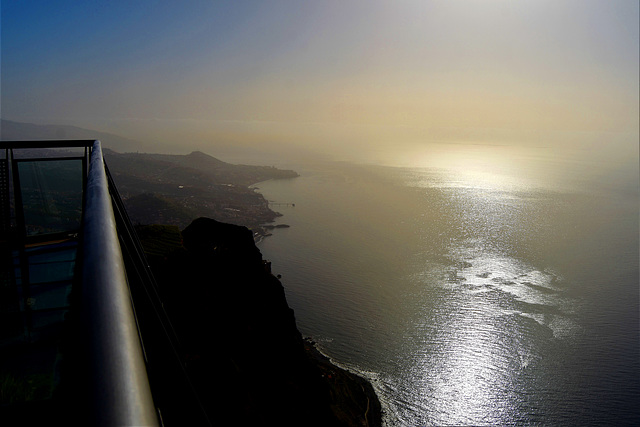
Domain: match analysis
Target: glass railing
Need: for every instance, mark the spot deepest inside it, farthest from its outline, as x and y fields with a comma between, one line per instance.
x=66, y=315
x=51, y=194
x=41, y=202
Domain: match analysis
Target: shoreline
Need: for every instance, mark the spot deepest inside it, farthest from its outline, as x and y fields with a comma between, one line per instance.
x=354, y=399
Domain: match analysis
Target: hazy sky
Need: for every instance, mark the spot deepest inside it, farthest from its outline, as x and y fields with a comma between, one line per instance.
x=340, y=75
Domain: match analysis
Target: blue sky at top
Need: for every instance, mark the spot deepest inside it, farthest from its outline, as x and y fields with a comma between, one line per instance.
x=346, y=70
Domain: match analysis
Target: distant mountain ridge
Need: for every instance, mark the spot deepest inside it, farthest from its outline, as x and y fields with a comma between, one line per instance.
x=170, y=188
x=196, y=159
x=19, y=131
x=196, y=169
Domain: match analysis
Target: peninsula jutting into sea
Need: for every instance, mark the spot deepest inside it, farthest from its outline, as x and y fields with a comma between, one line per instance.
x=175, y=189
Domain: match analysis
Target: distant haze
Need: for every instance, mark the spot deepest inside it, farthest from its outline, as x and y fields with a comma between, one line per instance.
x=397, y=82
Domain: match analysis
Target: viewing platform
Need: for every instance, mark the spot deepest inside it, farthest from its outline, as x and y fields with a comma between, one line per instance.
x=83, y=335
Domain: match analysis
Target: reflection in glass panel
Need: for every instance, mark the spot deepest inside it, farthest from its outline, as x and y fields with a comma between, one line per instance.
x=51, y=195
x=41, y=212
x=33, y=318
x=52, y=266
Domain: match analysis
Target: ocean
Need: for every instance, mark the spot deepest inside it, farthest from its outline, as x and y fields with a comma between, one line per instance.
x=469, y=297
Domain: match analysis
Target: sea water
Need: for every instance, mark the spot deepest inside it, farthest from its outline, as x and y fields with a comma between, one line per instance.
x=468, y=298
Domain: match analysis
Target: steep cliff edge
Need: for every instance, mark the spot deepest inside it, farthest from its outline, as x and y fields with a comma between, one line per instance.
x=245, y=355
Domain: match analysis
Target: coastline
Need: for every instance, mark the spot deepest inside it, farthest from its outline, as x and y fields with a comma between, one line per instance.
x=353, y=398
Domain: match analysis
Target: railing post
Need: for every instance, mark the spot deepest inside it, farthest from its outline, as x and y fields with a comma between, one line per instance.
x=118, y=390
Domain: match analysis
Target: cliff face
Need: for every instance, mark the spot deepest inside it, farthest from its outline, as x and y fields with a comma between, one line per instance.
x=244, y=353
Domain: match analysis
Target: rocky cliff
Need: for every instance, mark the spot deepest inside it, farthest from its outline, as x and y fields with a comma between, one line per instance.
x=244, y=353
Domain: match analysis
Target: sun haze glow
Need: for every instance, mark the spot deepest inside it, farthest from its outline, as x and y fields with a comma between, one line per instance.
x=368, y=80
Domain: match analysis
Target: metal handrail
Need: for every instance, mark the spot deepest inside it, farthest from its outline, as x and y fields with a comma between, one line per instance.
x=47, y=144
x=118, y=391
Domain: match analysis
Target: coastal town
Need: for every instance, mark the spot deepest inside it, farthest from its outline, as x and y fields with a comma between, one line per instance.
x=175, y=189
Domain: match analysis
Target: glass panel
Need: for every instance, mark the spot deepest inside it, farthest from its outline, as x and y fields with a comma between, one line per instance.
x=49, y=296
x=46, y=325
x=33, y=319
x=5, y=198
x=52, y=266
x=51, y=195
x=37, y=275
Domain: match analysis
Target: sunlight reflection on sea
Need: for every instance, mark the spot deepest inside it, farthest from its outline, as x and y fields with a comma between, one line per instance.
x=473, y=298
x=474, y=346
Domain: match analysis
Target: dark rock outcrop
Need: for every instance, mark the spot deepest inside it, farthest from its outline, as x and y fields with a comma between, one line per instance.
x=244, y=353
